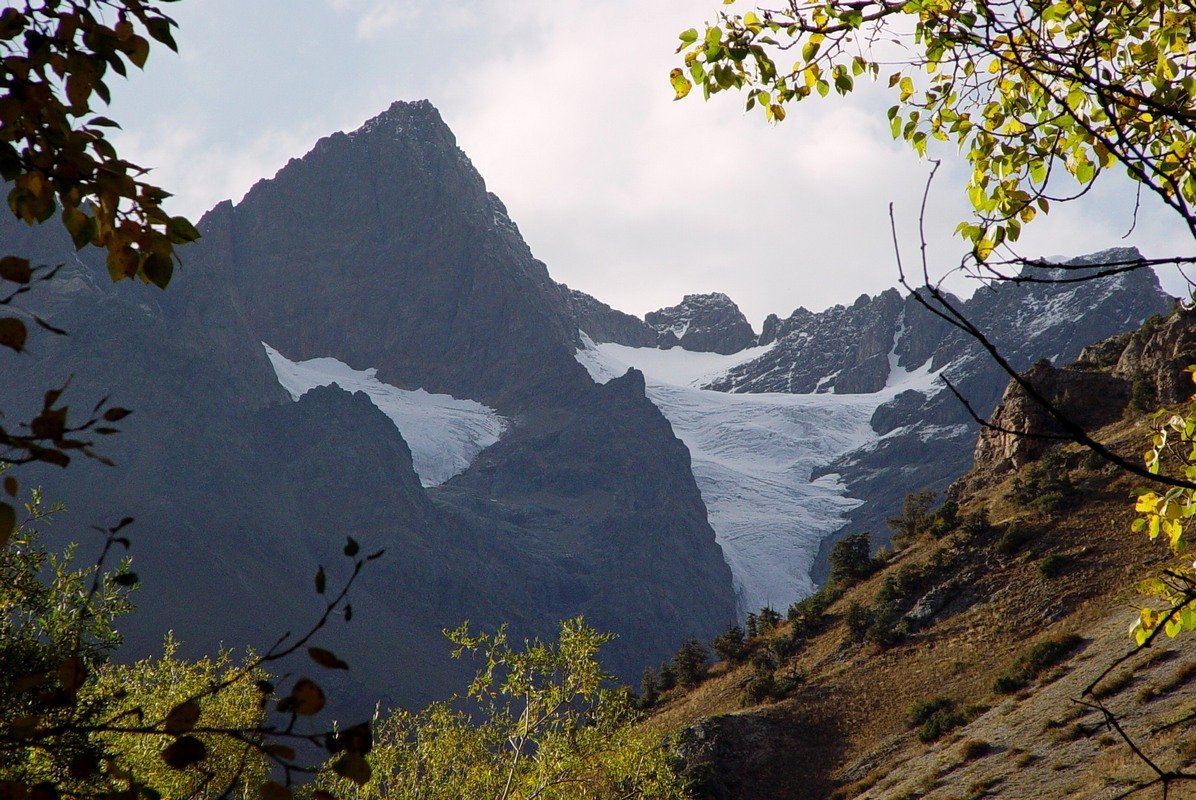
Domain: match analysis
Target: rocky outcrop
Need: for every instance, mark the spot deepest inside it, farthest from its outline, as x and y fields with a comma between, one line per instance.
x=704, y=323
x=1023, y=427
x=844, y=349
x=1145, y=368
x=382, y=248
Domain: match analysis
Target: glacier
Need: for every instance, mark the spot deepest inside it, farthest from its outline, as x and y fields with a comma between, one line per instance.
x=444, y=433
x=753, y=455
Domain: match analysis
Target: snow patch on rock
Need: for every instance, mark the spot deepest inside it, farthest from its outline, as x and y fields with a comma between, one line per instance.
x=444, y=433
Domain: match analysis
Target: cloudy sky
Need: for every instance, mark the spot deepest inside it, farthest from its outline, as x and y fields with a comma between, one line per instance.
x=565, y=109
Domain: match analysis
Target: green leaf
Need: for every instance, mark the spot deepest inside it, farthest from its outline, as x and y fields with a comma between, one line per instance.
x=688, y=36
x=1085, y=172
x=681, y=84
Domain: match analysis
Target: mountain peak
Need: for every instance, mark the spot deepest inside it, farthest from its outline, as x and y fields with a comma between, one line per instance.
x=705, y=323
x=405, y=116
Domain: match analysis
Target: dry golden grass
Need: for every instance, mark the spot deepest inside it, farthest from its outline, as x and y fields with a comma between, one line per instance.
x=848, y=719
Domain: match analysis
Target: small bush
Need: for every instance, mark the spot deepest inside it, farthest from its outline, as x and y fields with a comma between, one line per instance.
x=759, y=688
x=767, y=620
x=915, y=518
x=1012, y=540
x=1008, y=684
x=1034, y=662
x=765, y=661
x=938, y=724
x=1049, y=653
x=857, y=618
x=1052, y=566
x=1043, y=485
x=689, y=664
x=973, y=749
x=886, y=615
x=649, y=684
x=814, y=606
x=667, y=678
x=787, y=681
x=910, y=579
x=975, y=524
x=1143, y=397
x=923, y=710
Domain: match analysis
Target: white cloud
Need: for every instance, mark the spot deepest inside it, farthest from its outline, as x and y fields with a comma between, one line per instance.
x=564, y=107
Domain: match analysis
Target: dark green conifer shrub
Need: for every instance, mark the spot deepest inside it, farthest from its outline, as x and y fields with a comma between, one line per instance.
x=857, y=618
x=689, y=663
x=851, y=558
x=729, y=645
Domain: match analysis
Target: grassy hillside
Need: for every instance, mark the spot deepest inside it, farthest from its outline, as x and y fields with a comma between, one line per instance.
x=970, y=687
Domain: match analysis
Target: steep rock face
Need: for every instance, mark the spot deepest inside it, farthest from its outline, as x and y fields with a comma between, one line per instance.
x=1147, y=367
x=383, y=249
x=388, y=238
x=1023, y=425
x=705, y=323
x=843, y=349
x=604, y=324
x=574, y=487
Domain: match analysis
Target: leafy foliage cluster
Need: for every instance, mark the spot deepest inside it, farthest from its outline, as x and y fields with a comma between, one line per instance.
x=808, y=612
x=538, y=721
x=55, y=60
x=1027, y=92
x=71, y=723
x=917, y=520
x=851, y=558
x=55, y=631
x=933, y=718
x=1172, y=452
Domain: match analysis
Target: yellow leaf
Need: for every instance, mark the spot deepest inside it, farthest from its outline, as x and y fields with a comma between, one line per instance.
x=681, y=84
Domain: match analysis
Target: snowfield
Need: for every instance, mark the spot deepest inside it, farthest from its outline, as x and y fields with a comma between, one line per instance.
x=753, y=455
x=444, y=433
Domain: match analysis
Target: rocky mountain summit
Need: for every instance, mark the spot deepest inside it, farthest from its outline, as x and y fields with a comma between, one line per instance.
x=703, y=323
